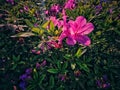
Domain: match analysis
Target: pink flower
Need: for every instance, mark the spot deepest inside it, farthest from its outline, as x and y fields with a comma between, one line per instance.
x=77, y=31
x=10, y=1
x=46, y=12
x=26, y=8
x=55, y=8
x=54, y=44
x=37, y=52
x=70, y=4
x=54, y=20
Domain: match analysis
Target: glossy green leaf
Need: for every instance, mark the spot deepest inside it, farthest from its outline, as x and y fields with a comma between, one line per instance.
x=54, y=71
x=29, y=23
x=37, y=30
x=51, y=82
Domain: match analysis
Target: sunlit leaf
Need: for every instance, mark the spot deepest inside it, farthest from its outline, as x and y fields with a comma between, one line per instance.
x=24, y=34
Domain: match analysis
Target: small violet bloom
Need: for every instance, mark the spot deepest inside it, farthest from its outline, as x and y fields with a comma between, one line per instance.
x=23, y=77
x=10, y=1
x=106, y=85
x=62, y=77
x=22, y=85
x=28, y=71
x=103, y=82
x=37, y=52
x=26, y=8
x=43, y=63
x=37, y=65
x=77, y=31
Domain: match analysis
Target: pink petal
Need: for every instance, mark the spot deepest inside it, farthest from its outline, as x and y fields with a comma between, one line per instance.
x=85, y=40
x=70, y=41
x=73, y=26
x=54, y=20
x=81, y=21
x=61, y=37
x=88, y=28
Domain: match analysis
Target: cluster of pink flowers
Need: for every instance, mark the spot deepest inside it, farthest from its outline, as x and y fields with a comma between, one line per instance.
x=73, y=31
x=54, y=10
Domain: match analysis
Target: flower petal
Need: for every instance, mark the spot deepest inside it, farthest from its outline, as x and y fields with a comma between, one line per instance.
x=88, y=28
x=61, y=37
x=85, y=40
x=81, y=21
x=70, y=41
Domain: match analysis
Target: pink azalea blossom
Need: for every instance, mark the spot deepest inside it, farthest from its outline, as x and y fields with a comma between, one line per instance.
x=77, y=31
x=54, y=20
x=70, y=4
x=55, y=8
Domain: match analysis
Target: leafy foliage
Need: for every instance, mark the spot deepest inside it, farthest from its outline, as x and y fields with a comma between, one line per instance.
x=68, y=67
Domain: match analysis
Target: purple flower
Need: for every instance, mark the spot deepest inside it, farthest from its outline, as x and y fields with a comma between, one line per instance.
x=37, y=65
x=21, y=10
x=37, y=52
x=103, y=82
x=36, y=25
x=22, y=85
x=43, y=63
x=26, y=8
x=98, y=82
x=28, y=71
x=106, y=85
x=105, y=77
x=98, y=8
x=10, y=1
x=62, y=77
x=23, y=77
x=111, y=11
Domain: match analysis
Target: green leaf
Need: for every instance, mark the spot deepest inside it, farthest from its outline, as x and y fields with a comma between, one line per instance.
x=14, y=67
x=16, y=58
x=45, y=24
x=67, y=56
x=31, y=87
x=80, y=52
x=65, y=65
x=35, y=74
x=24, y=34
x=52, y=27
x=58, y=64
x=37, y=30
x=51, y=82
x=42, y=78
x=29, y=23
x=118, y=32
x=83, y=66
x=54, y=71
